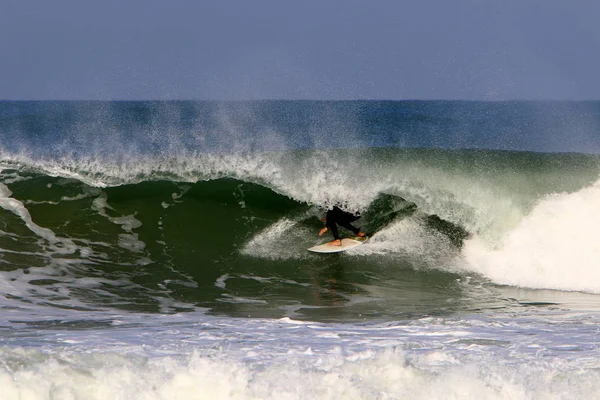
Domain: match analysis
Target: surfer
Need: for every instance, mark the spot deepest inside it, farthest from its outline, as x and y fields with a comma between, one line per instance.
x=336, y=217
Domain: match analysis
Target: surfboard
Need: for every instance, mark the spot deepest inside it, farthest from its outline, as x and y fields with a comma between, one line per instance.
x=347, y=244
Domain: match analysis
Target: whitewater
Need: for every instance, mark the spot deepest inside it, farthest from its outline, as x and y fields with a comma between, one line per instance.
x=157, y=250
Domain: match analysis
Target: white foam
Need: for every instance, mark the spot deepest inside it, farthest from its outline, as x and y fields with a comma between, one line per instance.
x=302, y=374
x=131, y=242
x=556, y=246
x=11, y=177
x=128, y=223
x=221, y=281
x=281, y=240
x=59, y=245
x=227, y=298
x=411, y=239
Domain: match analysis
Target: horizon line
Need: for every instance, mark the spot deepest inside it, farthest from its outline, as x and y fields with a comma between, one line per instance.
x=301, y=100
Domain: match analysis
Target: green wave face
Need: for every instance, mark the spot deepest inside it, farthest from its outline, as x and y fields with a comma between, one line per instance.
x=237, y=245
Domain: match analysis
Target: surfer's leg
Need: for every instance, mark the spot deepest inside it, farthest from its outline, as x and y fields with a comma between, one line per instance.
x=332, y=226
x=349, y=226
x=345, y=220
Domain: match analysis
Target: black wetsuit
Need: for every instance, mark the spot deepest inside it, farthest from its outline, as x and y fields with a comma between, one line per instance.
x=336, y=217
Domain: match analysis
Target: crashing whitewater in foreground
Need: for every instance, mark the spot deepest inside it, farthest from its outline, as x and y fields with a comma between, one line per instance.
x=158, y=250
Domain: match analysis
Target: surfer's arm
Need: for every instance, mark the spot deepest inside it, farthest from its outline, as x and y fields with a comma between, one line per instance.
x=322, y=231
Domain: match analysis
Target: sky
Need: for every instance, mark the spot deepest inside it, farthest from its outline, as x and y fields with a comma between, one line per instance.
x=309, y=49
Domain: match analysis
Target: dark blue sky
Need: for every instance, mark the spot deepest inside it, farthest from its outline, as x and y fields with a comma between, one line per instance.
x=326, y=49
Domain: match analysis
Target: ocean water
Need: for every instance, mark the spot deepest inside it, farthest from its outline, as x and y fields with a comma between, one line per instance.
x=157, y=250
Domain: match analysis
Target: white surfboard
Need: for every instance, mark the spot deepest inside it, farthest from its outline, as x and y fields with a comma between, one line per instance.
x=347, y=244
